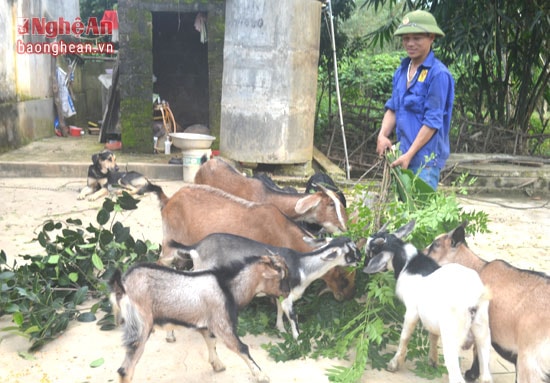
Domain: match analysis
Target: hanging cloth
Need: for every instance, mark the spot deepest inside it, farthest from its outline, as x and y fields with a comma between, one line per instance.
x=200, y=26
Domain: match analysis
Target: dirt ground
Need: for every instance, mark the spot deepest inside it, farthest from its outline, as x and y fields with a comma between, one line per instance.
x=519, y=234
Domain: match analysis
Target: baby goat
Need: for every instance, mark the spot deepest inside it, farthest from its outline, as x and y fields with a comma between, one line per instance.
x=219, y=249
x=519, y=312
x=208, y=301
x=450, y=301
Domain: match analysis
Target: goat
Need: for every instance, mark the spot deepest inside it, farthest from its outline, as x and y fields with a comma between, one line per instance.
x=451, y=301
x=218, y=249
x=519, y=313
x=323, y=179
x=323, y=207
x=195, y=211
x=208, y=301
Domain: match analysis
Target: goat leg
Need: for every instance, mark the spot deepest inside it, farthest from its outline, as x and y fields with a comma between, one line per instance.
x=170, y=334
x=409, y=324
x=473, y=373
x=227, y=333
x=213, y=357
x=482, y=335
x=279, y=324
x=450, y=336
x=286, y=306
x=434, y=354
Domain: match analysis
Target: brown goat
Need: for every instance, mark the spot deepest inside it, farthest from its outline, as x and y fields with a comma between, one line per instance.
x=323, y=208
x=519, y=313
x=195, y=211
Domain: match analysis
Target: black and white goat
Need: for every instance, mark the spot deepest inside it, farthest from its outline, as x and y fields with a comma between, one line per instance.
x=450, y=300
x=519, y=312
x=219, y=249
x=208, y=301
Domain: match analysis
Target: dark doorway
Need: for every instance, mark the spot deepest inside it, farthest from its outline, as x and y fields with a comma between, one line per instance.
x=180, y=65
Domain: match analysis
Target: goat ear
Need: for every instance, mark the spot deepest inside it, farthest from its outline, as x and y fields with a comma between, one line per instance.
x=270, y=274
x=384, y=228
x=329, y=256
x=378, y=263
x=317, y=243
x=307, y=203
x=94, y=158
x=405, y=230
x=458, y=236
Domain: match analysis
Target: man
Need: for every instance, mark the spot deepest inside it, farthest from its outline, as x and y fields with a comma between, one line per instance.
x=421, y=104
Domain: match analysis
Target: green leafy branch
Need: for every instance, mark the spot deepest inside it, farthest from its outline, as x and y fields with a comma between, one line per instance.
x=43, y=293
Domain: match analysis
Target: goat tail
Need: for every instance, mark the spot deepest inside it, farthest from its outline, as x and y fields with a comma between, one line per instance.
x=163, y=198
x=185, y=255
x=133, y=322
x=117, y=292
x=486, y=295
x=125, y=311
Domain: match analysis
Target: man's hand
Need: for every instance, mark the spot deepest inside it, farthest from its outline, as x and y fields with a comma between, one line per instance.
x=383, y=143
x=404, y=160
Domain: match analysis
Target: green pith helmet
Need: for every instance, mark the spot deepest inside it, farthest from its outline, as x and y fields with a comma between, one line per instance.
x=418, y=22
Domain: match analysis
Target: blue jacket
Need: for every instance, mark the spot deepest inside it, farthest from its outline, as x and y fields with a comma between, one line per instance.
x=428, y=101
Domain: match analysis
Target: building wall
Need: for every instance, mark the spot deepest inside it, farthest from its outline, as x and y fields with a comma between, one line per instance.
x=26, y=108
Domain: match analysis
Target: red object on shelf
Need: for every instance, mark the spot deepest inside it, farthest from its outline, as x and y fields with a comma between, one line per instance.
x=75, y=131
x=113, y=145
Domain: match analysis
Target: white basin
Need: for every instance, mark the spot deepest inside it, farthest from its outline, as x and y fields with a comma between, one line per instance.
x=189, y=141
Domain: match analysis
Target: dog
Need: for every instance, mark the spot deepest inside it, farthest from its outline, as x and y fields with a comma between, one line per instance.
x=103, y=174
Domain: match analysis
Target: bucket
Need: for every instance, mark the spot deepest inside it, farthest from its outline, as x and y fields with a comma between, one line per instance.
x=75, y=131
x=192, y=162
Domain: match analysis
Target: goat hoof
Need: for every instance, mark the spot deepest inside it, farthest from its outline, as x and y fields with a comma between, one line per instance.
x=471, y=376
x=218, y=366
x=262, y=378
x=393, y=365
x=171, y=339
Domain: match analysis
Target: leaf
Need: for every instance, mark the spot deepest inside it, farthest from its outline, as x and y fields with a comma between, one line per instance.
x=76, y=221
x=80, y=295
x=103, y=217
x=97, y=262
x=86, y=317
x=26, y=355
x=97, y=363
x=6, y=275
x=73, y=277
x=32, y=329
x=18, y=318
x=53, y=259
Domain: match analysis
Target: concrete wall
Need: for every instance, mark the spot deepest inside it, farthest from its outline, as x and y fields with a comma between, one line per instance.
x=271, y=54
x=26, y=107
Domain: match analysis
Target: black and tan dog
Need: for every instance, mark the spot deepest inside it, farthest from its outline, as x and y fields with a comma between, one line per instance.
x=103, y=174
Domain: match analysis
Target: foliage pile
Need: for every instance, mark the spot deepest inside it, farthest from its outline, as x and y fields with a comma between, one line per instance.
x=45, y=291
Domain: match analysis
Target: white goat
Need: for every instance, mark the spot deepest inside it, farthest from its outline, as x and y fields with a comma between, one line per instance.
x=208, y=301
x=219, y=249
x=450, y=301
x=519, y=312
